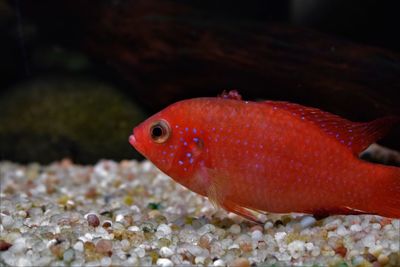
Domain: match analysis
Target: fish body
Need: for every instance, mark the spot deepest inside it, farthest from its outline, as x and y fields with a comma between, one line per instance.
x=251, y=157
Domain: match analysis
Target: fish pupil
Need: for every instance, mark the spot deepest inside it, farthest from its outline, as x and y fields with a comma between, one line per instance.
x=157, y=131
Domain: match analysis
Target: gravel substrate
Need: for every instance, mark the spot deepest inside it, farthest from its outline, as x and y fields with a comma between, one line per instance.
x=128, y=213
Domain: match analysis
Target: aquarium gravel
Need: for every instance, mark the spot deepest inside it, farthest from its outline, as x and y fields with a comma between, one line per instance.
x=129, y=213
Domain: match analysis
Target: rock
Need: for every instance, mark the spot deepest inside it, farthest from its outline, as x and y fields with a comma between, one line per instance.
x=307, y=221
x=296, y=249
x=165, y=229
x=69, y=255
x=219, y=263
x=93, y=220
x=104, y=246
x=256, y=235
x=164, y=262
x=235, y=229
x=240, y=262
x=4, y=245
x=52, y=118
x=166, y=252
x=7, y=221
x=383, y=259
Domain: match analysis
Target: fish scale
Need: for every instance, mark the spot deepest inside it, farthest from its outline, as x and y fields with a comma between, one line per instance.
x=250, y=157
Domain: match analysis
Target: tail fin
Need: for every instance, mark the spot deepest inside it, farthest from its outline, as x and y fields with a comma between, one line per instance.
x=387, y=200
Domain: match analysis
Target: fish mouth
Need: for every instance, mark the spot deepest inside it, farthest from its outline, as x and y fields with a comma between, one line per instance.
x=132, y=140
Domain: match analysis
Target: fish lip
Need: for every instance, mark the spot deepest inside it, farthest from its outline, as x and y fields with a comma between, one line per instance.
x=132, y=140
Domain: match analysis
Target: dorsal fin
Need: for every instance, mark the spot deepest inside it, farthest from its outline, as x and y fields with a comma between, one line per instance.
x=231, y=94
x=357, y=136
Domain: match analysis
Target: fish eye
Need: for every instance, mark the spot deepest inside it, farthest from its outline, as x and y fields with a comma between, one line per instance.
x=160, y=131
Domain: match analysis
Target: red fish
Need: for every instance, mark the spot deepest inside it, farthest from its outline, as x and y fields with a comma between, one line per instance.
x=257, y=157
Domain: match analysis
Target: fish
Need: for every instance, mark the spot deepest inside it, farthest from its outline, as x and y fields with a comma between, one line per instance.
x=259, y=157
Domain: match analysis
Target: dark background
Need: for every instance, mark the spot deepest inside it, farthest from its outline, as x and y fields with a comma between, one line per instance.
x=78, y=75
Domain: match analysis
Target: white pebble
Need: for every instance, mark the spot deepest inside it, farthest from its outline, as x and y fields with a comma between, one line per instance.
x=19, y=173
x=296, y=249
x=89, y=236
x=133, y=228
x=219, y=263
x=23, y=261
x=256, y=235
x=395, y=246
x=166, y=252
x=19, y=246
x=225, y=243
x=342, y=231
x=125, y=245
x=268, y=225
x=8, y=258
x=164, y=228
x=22, y=213
x=391, y=234
x=376, y=226
x=353, y=253
x=369, y=241
x=375, y=250
x=164, y=262
x=78, y=246
x=119, y=218
x=355, y=228
x=280, y=236
x=358, y=260
x=140, y=252
x=207, y=228
x=147, y=166
x=307, y=221
x=199, y=260
x=309, y=246
x=234, y=246
x=106, y=261
x=7, y=221
x=235, y=229
x=135, y=209
x=283, y=256
x=195, y=250
x=316, y=251
x=333, y=225
x=69, y=255
x=332, y=234
x=131, y=261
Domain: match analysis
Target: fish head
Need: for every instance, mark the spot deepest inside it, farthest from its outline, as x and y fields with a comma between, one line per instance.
x=172, y=140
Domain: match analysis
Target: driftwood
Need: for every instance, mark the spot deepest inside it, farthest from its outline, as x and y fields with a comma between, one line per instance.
x=168, y=50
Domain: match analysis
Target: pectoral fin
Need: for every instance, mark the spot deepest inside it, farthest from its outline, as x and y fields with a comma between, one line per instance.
x=217, y=194
x=247, y=213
